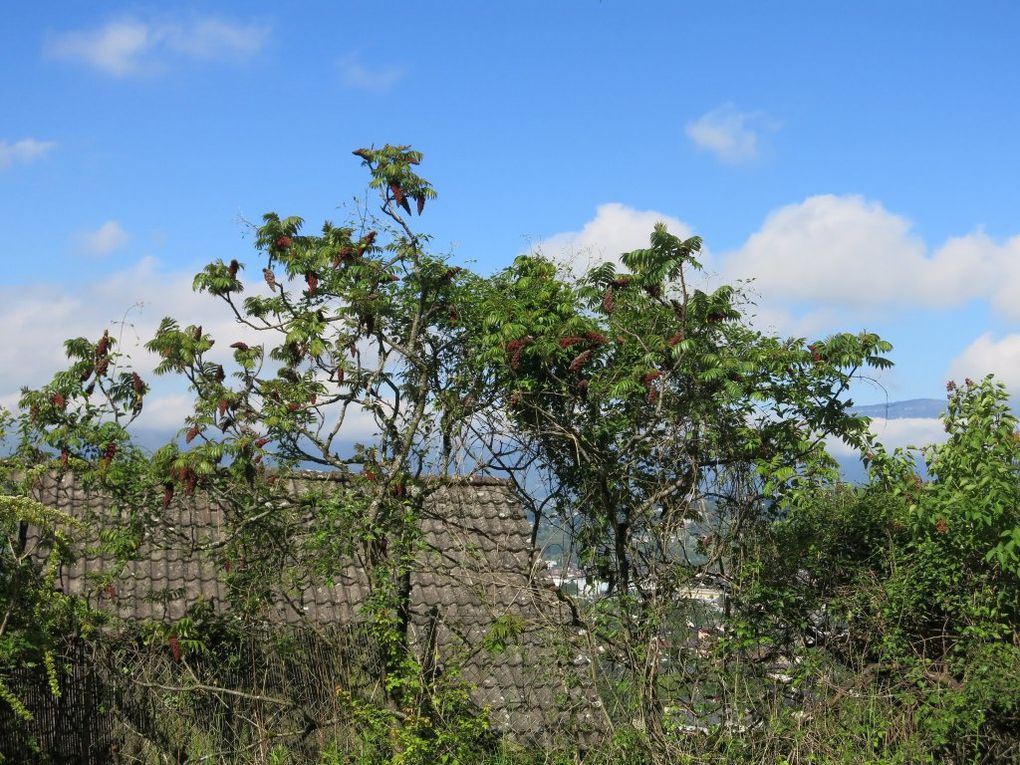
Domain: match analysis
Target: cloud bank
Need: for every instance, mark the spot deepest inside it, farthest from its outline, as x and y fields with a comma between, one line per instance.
x=615, y=229
x=833, y=260
x=988, y=355
x=37, y=319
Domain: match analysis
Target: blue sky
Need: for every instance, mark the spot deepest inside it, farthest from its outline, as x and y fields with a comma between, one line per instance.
x=859, y=160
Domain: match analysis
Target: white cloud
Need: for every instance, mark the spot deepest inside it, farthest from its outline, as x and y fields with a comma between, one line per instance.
x=851, y=254
x=355, y=74
x=165, y=413
x=824, y=262
x=106, y=239
x=615, y=229
x=37, y=319
x=987, y=355
x=897, y=433
x=130, y=46
x=731, y=135
x=130, y=303
x=23, y=151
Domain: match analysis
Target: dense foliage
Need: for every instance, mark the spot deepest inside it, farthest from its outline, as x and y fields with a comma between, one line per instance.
x=671, y=444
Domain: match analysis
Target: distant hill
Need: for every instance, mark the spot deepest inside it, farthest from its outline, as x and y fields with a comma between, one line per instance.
x=898, y=410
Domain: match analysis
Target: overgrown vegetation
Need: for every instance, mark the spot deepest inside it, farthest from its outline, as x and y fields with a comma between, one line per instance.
x=673, y=446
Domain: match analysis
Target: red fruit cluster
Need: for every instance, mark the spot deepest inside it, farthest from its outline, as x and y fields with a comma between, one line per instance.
x=190, y=481
x=941, y=526
x=58, y=400
x=579, y=361
x=651, y=377
x=108, y=454
x=676, y=339
x=283, y=242
x=175, y=647
x=192, y=433
x=449, y=273
x=515, y=347
x=595, y=337
x=607, y=301
x=566, y=342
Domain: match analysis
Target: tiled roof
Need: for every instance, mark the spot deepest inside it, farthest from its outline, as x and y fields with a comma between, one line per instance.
x=476, y=565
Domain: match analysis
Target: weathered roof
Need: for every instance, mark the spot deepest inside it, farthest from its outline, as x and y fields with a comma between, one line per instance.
x=475, y=565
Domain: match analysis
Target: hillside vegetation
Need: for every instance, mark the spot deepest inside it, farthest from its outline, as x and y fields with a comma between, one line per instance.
x=670, y=443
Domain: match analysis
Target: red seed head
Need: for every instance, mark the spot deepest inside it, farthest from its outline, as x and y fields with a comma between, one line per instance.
x=607, y=301
x=175, y=647
x=651, y=377
x=579, y=361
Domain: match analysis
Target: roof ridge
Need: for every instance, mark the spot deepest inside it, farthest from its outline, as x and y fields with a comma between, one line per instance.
x=456, y=480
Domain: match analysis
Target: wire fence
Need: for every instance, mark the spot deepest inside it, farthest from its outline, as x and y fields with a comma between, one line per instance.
x=128, y=701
